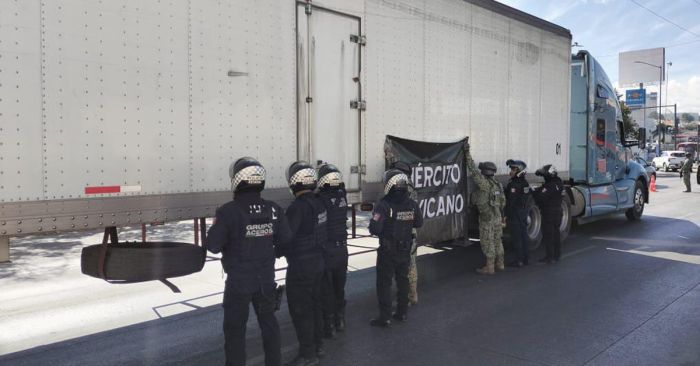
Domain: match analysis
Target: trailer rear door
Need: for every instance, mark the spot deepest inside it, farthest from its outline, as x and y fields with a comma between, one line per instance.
x=328, y=70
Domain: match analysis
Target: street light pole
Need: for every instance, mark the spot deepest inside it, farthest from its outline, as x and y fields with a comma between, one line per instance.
x=658, y=101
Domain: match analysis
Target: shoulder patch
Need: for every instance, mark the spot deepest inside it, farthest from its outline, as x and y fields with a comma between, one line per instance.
x=512, y=190
x=376, y=217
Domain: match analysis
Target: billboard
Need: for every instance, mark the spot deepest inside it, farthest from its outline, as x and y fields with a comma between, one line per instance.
x=642, y=66
x=636, y=97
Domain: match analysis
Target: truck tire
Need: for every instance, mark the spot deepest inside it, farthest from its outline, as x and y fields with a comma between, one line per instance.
x=566, y=219
x=635, y=212
x=136, y=262
x=665, y=167
x=534, y=224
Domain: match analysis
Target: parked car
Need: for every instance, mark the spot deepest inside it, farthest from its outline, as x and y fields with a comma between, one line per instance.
x=649, y=167
x=669, y=160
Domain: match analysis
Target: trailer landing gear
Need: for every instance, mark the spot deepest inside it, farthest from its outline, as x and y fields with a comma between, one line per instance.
x=4, y=249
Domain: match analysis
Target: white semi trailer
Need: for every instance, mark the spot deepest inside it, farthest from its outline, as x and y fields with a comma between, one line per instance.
x=129, y=112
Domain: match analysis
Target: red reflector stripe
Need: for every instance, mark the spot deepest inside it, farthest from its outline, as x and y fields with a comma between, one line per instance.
x=105, y=189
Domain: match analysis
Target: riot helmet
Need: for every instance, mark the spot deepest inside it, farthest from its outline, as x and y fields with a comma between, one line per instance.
x=301, y=176
x=517, y=167
x=247, y=174
x=688, y=155
x=395, y=180
x=547, y=171
x=329, y=176
x=487, y=168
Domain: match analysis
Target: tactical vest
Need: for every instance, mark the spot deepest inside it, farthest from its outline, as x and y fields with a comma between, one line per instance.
x=398, y=227
x=337, y=208
x=489, y=201
x=312, y=243
x=254, y=242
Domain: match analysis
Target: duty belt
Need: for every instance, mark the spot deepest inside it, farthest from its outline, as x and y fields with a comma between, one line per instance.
x=337, y=243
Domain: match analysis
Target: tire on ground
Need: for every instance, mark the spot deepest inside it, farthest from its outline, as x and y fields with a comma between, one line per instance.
x=143, y=261
x=566, y=219
x=635, y=212
x=534, y=224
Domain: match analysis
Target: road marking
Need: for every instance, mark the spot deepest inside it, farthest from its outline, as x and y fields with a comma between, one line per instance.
x=681, y=236
x=673, y=256
x=579, y=251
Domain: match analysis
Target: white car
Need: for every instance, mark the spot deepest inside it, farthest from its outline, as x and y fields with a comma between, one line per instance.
x=669, y=160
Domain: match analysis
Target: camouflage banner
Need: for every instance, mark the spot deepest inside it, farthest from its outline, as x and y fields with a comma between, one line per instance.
x=439, y=178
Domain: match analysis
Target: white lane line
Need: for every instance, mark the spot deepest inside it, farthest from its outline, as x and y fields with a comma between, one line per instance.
x=673, y=256
x=579, y=251
x=681, y=236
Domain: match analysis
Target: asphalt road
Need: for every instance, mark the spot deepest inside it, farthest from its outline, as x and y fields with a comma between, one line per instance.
x=625, y=293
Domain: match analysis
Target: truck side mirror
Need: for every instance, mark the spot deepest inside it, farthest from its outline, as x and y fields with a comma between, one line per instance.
x=642, y=137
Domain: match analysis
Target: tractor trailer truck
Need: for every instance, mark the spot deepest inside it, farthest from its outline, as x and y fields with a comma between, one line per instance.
x=120, y=113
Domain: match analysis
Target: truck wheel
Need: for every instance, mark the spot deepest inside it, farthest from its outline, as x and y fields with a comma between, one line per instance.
x=534, y=224
x=565, y=226
x=635, y=212
x=665, y=167
x=136, y=262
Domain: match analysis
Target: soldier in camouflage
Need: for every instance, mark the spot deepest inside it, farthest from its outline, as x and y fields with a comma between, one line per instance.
x=490, y=201
x=687, y=170
x=412, y=269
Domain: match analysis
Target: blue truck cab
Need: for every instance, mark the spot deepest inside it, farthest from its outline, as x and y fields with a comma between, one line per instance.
x=603, y=177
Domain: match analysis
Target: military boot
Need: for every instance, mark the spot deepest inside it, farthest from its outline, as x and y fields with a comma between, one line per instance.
x=500, y=265
x=486, y=269
x=413, y=293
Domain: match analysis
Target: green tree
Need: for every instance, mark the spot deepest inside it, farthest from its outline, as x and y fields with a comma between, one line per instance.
x=687, y=117
x=631, y=127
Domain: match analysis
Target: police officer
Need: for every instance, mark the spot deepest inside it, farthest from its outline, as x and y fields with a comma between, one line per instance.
x=489, y=200
x=246, y=231
x=331, y=192
x=517, y=193
x=307, y=220
x=549, y=197
x=412, y=269
x=393, y=219
x=687, y=170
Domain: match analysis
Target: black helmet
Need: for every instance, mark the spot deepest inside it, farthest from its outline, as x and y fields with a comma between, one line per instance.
x=246, y=173
x=329, y=176
x=547, y=171
x=517, y=164
x=301, y=176
x=402, y=166
x=395, y=179
x=688, y=155
x=487, y=168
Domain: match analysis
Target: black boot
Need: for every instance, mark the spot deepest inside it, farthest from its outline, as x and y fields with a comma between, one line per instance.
x=340, y=321
x=377, y=322
x=302, y=361
x=400, y=317
x=328, y=328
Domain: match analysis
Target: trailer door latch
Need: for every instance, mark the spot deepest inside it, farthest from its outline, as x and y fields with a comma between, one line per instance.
x=358, y=104
x=361, y=40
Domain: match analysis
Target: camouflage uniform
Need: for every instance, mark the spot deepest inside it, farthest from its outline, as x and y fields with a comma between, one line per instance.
x=490, y=201
x=412, y=270
x=686, y=171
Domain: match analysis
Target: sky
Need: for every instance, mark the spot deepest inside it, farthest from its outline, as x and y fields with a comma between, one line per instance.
x=607, y=27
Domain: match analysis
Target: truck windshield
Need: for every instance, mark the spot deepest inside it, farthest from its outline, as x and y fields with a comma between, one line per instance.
x=678, y=155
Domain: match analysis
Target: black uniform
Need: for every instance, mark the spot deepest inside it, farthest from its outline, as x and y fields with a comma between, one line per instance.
x=307, y=220
x=393, y=220
x=246, y=231
x=548, y=198
x=336, y=255
x=517, y=193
